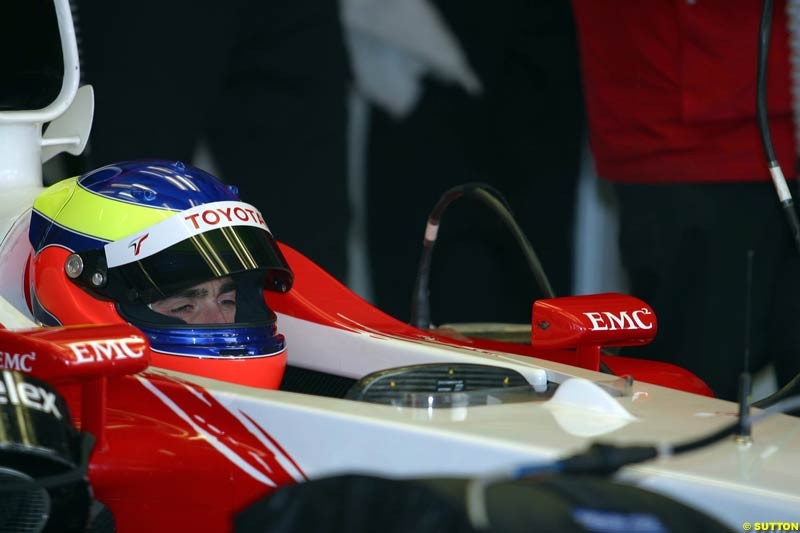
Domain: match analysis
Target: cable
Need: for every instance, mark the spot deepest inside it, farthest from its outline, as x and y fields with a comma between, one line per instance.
x=604, y=459
x=784, y=195
x=784, y=406
x=775, y=171
x=764, y=34
x=610, y=458
x=420, y=301
x=790, y=389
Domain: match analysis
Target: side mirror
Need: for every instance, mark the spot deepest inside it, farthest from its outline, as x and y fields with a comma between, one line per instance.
x=588, y=323
x=83, y=355
x=70, y=132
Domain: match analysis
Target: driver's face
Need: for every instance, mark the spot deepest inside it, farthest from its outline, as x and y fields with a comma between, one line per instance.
x=211, y=302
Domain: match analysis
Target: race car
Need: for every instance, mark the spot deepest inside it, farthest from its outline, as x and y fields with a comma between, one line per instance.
x=189, y=439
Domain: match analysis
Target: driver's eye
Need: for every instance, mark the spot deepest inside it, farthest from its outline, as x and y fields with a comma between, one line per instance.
x=227, y=299
x=183, y=309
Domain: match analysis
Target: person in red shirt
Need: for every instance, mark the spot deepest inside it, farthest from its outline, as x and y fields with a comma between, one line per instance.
x=670, y=92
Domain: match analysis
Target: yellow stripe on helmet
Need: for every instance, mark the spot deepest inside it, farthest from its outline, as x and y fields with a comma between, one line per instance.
x=83, y=211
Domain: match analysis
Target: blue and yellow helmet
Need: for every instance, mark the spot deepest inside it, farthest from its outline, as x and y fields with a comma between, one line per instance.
x=132, y=241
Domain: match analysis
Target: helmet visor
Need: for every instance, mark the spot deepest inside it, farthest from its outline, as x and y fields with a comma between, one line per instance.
x=209, y=255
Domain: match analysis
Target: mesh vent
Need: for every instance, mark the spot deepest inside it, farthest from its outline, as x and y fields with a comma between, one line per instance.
x=448, y=378
x=306, y=381
x=446, y=384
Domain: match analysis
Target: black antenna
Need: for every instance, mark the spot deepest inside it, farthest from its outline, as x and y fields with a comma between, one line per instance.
x=775, y=171
x=743, y=432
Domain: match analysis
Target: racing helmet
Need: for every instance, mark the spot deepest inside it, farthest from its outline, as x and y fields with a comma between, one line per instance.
x=113, y=245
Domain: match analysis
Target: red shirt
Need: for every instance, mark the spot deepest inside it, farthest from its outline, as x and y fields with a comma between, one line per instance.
x=670, y=88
